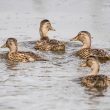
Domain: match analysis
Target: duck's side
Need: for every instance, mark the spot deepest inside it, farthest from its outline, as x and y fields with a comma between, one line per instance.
x=53, y=45
x=93, y=79
x=97, y=81
x=17, y=56
x=99, y=53
x=24, y=57
x=45, y=43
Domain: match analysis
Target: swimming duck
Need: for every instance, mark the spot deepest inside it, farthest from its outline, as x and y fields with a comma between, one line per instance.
x=86, y=50
x=93, y=79
x=45, y=43
x=18, y=56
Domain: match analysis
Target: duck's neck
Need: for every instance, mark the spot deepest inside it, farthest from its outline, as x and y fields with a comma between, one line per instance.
x=13, y=49
x=95, y=68
x=43, y=33
x=86, y=43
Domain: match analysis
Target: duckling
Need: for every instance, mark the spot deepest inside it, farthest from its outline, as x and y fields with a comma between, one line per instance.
x=93, y=79
x=45, y=43
x=17, y=56
x=86, y=50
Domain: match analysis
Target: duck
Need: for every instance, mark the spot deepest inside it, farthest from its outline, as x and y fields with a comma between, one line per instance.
x=45, y=43
x=93, y=79
x=19, y=56
x=86, y=50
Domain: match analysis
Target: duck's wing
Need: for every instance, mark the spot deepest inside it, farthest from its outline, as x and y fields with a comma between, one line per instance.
x=57, y=42
x=30, y=56
x=43, y=45
x=84, y=53
x=54, y=41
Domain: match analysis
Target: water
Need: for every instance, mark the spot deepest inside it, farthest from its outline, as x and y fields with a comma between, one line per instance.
x=52, y=85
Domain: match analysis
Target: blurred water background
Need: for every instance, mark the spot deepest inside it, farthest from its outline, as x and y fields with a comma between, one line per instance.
x=52, y=85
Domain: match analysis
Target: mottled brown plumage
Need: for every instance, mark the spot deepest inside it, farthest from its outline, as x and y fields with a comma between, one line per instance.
x=93, y=79
x=100, y=53
x=86, y=49
x=18, y=56
x=97, y=81
x=45, y=43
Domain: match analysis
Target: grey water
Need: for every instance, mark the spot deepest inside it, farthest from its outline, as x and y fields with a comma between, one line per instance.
x=53, y=84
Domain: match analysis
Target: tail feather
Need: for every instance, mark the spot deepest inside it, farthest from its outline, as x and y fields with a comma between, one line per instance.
x=108, y=57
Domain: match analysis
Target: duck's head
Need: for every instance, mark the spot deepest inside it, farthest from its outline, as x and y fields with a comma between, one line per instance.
x=45, y=26
x=93, y=63
x=11, y=43
x=84, y=37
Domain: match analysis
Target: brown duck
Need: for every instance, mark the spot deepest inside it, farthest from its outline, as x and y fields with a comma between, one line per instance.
x=86, y=50
x=45, y=43
x=93, y=79
x=18, y=56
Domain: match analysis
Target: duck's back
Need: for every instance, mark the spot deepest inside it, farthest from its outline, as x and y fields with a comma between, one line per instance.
x=42, y=45
x=100, y=53
x=95, y=81
x=50, y=45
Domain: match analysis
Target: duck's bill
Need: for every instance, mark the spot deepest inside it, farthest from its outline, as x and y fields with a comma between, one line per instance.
x=3, y=46
x=83, y=65
x=52, y=29
x=74, y=39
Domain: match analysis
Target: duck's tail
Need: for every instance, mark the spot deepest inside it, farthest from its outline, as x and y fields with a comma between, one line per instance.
x=107, y=58
x=104, y=59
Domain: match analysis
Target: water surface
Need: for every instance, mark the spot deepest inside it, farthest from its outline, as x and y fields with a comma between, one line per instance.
x=52, y=85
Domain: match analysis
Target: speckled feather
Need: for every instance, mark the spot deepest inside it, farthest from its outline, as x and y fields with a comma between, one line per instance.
x=95, y=81
x=50, y=45
x=86, y=52
x=23, y=56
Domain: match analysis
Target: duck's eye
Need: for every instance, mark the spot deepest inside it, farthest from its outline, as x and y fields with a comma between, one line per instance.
x=10, y=43
x=47, y=26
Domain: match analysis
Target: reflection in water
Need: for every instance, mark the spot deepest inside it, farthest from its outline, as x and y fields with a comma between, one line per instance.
x=11, y=65
x=94, y=97
x=96, y=92
x=94, y=100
